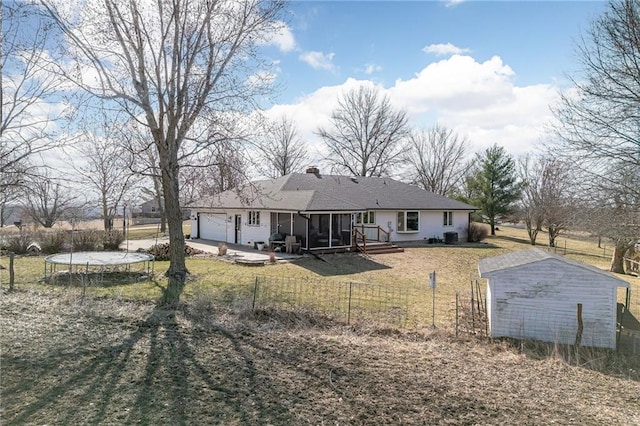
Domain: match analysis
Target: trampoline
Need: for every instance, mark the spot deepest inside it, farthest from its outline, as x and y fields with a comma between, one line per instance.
x=86, y=262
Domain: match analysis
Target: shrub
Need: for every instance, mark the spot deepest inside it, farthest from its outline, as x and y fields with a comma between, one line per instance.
x=111, y=240
x=19, y=243
x=52, y=242
x=477, y=232
x=87, y=240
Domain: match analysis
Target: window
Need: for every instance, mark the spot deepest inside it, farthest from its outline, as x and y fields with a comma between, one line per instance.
x=408, y=221
x=254, y=218
x=447, y=218
x=366, y=218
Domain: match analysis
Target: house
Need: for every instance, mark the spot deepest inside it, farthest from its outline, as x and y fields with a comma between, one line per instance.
x=150, y=208
x=534, y=294
x=328, y=212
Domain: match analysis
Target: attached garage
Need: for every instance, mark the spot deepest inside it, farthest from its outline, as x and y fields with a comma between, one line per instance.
x=212, y=226
x=534, y=294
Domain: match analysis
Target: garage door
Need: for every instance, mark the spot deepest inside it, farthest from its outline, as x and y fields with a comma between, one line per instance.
x=213, y=226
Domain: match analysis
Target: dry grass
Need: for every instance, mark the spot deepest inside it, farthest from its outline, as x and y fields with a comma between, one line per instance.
x=115, y=357
x=455, y=266
x=68, y=360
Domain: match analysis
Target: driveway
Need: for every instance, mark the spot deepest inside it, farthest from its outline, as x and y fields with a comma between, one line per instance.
x=235, y=252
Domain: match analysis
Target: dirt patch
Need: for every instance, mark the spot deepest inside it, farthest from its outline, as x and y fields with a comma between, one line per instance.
x=68, y=360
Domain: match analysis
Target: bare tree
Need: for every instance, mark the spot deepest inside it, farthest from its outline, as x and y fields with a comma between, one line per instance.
x=530, y=174
x=366, y=133
x=599, y=119
x=28, y=108
x=615, y=213
x=169, y=64
x=436, y=158
x=46, y=200
x=283, y=151
x=143, y=162
x=547, y=195
x=103, y=167
x=222, y=169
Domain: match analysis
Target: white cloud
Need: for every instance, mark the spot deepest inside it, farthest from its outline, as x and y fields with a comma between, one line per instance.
x=476, y=99
x=371, y=68
x=444, y=49
x=282, y=37
x=452, y=3
x=319, y=60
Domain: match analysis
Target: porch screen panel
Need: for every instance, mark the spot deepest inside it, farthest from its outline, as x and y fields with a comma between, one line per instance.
x=341, y=230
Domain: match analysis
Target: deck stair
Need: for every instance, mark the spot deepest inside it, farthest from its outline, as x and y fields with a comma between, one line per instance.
x=380, y=248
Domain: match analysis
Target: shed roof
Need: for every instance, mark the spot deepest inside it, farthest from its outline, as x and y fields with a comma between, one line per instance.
x=316, y=192
x=487, y=267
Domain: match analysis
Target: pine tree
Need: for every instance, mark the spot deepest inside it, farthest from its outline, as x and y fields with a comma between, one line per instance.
x=494, y=186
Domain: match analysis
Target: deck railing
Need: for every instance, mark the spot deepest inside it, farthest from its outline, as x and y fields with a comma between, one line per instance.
x=369, y=233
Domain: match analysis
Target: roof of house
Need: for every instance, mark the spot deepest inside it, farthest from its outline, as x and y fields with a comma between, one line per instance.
x=316, y=192
x=488, y=266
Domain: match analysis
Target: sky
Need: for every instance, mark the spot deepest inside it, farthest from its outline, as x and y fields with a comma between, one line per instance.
x=489, y=70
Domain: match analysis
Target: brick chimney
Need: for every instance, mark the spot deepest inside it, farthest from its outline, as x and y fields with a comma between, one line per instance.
x=313, y=170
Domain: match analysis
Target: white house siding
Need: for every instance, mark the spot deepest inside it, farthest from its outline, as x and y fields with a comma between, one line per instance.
x=220, y=226
x=431, y=225
x=539, y=301
x=253, y=233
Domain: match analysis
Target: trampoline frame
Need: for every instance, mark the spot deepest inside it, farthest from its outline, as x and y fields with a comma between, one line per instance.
x=104, y=261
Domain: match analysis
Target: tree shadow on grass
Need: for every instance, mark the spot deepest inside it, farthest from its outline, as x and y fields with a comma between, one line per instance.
x=340, y=264
x=175, y=365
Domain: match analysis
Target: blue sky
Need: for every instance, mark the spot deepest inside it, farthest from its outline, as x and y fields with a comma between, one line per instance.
x=487, y=69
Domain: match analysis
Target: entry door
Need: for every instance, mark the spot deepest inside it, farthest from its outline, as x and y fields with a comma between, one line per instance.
x=238, y=236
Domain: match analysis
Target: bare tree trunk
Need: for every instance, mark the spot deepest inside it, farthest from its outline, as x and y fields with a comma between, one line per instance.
x=617, y=259
x=554, y=231
x=177, y=271
x=532, y=231
x=106, y=220
x=161, y=206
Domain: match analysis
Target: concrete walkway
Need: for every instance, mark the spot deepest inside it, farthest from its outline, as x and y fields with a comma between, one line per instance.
x=235, y=252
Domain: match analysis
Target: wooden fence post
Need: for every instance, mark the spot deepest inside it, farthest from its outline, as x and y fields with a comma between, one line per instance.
x=456, y=314
x=12, y=273
x=580, y=327
x=255, y=293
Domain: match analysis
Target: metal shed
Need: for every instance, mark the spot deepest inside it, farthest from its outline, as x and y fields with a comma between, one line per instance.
x=534, y=294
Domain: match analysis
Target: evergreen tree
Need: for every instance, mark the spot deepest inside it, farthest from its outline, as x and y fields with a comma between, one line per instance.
x=494, y=186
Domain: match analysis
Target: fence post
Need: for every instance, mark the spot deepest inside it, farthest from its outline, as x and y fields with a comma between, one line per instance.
x=255, y=293
x=349, y=306
x=85, y=278
x=580, y=327
x=473, y=310
x=486, y=318
x=12, y=274
x=456, y=314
